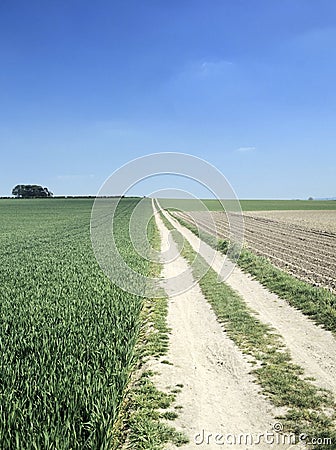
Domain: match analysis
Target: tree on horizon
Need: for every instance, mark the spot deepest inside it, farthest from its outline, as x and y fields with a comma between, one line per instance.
x=31, y=191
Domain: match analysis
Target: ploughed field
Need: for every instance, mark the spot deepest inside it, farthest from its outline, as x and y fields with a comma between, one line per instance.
x=303, y=243
x=313, y=220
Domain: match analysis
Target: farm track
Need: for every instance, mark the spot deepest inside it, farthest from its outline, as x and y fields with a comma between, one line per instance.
x=312, y=347
x=219, y=393
x=306, y=254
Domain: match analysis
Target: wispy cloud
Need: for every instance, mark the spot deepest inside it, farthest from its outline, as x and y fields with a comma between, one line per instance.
x=245, y=149
x=205, y=69
x=214, y=67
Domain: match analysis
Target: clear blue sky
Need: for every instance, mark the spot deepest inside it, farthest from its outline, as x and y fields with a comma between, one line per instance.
x=249, y=85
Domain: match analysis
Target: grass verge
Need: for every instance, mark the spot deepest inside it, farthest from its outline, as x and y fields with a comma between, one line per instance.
x=142, y=424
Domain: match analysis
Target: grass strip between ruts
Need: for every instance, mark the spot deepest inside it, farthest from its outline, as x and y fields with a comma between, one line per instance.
x=309, y=409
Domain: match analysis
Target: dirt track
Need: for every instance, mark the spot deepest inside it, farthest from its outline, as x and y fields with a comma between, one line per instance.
x=312, y=347
x=218, y=394
x=305, y=253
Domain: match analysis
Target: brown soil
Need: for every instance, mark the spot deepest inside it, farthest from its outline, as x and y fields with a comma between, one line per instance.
x=312, y=220
x=308, y=254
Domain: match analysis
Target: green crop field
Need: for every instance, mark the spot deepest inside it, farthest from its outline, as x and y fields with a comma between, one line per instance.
x=250, y=205
x=67, y=334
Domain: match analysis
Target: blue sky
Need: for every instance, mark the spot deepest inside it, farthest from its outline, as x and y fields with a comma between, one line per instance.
x=248, y=85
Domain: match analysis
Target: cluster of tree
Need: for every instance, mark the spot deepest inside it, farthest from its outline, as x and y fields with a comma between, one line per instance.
x=31, y=191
